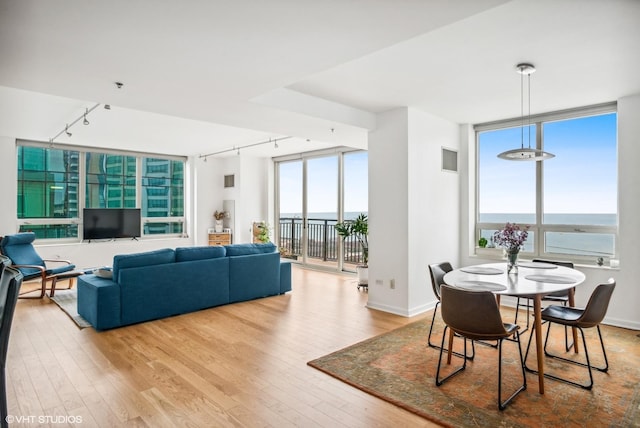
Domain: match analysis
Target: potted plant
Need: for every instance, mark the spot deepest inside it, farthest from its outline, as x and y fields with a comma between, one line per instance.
x=263, y=232
x=359, y=228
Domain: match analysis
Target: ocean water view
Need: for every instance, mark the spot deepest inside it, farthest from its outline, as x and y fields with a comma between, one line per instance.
x=557, y=218
x=567, y=242
x=571, y=243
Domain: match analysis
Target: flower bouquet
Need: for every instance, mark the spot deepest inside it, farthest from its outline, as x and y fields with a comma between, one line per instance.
x=511, y=238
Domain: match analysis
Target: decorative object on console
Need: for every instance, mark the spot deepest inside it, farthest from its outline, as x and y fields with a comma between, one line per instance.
x=219, y=216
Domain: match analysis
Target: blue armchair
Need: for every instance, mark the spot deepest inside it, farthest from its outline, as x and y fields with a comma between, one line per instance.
x=19, y=248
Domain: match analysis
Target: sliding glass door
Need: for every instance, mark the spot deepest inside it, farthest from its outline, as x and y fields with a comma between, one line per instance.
x=314, y=193
x=322, y=211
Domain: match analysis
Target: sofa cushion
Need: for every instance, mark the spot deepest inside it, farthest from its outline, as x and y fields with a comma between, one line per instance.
x=247, y=249
x=253, y=276
x=150, y=258
x=186, y=254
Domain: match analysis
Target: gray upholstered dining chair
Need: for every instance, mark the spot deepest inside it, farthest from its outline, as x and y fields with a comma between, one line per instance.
x=589, y=317
x=475, y=315
x=10, y=281
x=561, y=297
x=437, y=271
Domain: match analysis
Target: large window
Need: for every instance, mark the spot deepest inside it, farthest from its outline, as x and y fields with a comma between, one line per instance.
x=55, y=183
x=569, y=201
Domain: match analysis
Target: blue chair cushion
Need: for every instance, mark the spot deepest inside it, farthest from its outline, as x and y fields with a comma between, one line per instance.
x=247, y=249
x=150, y=258
x=187, y=254
x=61, y=269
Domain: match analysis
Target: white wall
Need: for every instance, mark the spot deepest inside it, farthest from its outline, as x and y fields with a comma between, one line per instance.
x=388, y=216
x=623, y=308
x=434, y=204
x=413, y=208
x=252, y=192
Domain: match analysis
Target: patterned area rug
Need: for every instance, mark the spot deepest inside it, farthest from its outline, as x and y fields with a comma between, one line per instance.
x=67, y=300
x=398, y=367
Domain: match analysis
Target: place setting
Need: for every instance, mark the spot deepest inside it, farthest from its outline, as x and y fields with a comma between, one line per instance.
x=482, y=270
x=551, y=279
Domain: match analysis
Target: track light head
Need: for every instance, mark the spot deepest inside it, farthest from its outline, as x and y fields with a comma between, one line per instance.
x=107, y=107
x=85, y=121
x=66, y=131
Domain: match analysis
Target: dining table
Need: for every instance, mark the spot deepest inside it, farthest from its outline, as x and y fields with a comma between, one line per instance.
x=532, y=279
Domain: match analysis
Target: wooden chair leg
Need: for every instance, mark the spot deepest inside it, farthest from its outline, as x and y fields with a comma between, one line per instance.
x=451, y=334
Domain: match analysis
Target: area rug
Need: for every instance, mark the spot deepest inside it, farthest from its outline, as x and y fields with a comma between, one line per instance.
x=67, y=300
x=398, y=367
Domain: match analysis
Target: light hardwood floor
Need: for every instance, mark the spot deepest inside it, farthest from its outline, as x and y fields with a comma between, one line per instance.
x=236, y=365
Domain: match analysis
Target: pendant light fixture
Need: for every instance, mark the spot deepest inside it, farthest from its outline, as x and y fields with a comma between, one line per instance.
x=525, y=153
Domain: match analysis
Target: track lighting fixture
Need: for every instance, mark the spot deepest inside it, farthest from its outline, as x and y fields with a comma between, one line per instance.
x=237, y=149
x=82, y=117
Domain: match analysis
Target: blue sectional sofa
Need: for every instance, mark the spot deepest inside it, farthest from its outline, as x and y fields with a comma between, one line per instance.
x=162, y=283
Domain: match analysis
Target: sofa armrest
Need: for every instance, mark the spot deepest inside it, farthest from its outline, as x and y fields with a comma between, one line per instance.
x=99, y=301
x=285, y=276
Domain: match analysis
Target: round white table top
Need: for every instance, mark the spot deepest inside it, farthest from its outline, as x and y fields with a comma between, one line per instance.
x=532, y=278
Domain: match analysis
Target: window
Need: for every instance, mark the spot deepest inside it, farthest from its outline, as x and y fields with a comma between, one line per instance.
x=162, y=196
x=55, y=183
x=48, y=190
x=569, y=201
x=110, y=181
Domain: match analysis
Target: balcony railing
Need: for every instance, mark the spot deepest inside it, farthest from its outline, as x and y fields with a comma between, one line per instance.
x=322, y=242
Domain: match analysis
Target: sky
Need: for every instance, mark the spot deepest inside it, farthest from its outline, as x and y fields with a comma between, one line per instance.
x=581, y=178
x=322, y=179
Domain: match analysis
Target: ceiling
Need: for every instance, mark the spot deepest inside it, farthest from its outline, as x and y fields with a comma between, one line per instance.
x=204, y=76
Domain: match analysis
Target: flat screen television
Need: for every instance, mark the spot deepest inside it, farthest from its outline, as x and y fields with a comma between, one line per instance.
x=109, y=223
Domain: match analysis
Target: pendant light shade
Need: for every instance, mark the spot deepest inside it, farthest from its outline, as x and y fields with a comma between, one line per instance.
x=525, y=153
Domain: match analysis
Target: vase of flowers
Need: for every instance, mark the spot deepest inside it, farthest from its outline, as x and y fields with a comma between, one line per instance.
x=511, y=238
x=219, y=216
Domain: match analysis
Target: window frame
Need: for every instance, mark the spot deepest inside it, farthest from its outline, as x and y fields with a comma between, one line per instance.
x=539, y=229
x=83, y=151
